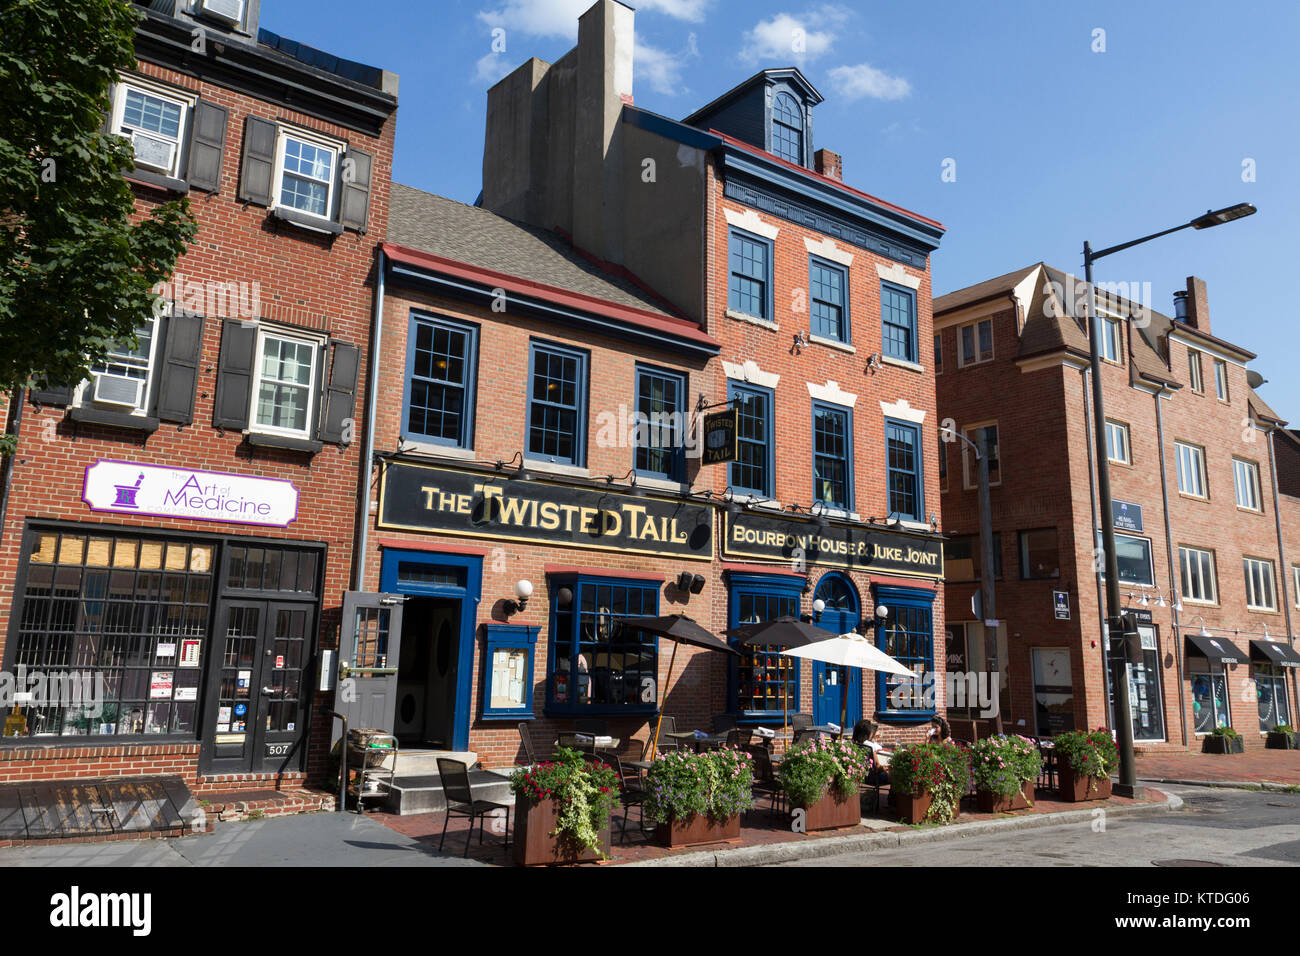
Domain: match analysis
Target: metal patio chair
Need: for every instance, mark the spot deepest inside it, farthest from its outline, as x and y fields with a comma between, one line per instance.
x=461, y=803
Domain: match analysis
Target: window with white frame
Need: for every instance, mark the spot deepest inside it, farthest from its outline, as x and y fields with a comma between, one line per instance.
x=1259, y=584
x=1110, y=343
x=1197, y=570
x=1221, y=379
x=154, y=118
x=122, y=380
x=284, y=383
x=1191, y=469
x=1117, y=446
x=1194, y=371
x=306, y=171
x=975, y=342
x=1245, y=477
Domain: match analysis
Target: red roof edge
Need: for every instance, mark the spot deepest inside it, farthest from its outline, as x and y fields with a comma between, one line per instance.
x=438, y=546
x=672, y=325
x=558, y=569
x=812, y=173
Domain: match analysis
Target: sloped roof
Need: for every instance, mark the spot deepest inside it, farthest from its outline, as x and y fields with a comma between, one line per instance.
x=981, y=290
x=474, y=236
x=1260, y=409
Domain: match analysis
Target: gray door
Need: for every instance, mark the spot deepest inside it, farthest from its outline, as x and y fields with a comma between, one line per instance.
x=369, y=641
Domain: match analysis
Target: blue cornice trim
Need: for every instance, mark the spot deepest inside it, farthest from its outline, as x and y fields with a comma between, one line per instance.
x=529, y=305
x=670, y=128
x=862, y=215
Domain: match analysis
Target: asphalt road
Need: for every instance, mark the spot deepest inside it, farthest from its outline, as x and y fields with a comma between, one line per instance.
x=1216, y=826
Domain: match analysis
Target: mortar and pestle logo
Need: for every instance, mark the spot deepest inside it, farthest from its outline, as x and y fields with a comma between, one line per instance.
x=126, y=494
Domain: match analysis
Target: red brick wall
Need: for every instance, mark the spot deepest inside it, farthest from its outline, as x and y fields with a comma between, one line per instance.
x=307, y=280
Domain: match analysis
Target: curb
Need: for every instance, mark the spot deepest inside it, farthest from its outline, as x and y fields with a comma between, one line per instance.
x=1264, y=785
x=858, y=843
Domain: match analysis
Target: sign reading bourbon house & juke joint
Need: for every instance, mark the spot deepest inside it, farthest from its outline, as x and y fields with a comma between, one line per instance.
x=486, y=504
x=751, y=534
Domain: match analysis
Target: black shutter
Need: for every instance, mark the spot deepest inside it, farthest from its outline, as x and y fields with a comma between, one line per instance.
x=354, y=203
x=340, y=394
x=207, y=140
x=234, y=374
x=51, y=396
x=256, y=172
x=178, y=375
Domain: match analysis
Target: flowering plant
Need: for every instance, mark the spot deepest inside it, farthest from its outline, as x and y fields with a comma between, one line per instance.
x=584, y=793
x=1003, y=765
x=810, y=769
x=716, y=783
x=941, y=769
x=1089, y=754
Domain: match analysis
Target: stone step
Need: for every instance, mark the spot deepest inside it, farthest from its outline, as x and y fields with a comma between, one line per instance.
x=423, y=793
x=415, y=763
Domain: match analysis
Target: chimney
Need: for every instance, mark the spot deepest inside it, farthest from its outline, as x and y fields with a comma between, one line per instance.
x=829, y=164
x=1198, y=305
x=1180, y=306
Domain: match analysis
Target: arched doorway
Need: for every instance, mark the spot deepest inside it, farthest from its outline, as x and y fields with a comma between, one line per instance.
x=843, y=613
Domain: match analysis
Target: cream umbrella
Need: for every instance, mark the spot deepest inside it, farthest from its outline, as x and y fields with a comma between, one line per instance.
x=850, y=650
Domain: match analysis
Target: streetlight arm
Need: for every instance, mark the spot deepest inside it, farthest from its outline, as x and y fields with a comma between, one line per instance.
x=1090, y=256
x=974, y=447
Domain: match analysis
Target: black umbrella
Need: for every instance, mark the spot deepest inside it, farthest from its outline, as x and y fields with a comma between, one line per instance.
x=679, y=629
x=785, y=631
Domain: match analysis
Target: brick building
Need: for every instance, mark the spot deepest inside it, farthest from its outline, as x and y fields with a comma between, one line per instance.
x=182, y=523
x=1198, y=534
x=623, y=263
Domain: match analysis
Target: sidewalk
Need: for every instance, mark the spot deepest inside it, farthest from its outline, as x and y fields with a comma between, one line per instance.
x=765, y=838
x=1252, y=768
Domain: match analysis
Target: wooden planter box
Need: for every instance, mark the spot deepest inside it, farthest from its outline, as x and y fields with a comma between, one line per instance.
x=1215, y=744
x=832, y=811
x=912, y=809
x=534, y=845
x=1280, y=741
x=697, y=830
x=1078, y=789
x=986, y=801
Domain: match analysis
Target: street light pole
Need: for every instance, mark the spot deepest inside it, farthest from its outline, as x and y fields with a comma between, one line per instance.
x=1114, y=628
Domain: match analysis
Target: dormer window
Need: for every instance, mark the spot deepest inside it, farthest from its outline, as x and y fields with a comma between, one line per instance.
x=787, y=128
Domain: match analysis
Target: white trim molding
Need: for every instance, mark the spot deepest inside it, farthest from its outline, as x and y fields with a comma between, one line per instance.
x=751, y=373
x=903, y=411
x=751, y=221
x=827, y=249
x=898, y=275
x=832, y=393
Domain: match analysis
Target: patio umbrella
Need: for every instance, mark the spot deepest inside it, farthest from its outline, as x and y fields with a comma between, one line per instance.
x=785, y=631
x=679, y=629
x=850, y=650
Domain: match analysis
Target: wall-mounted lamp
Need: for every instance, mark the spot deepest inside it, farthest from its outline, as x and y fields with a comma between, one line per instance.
x=882, y=615
x=521, y=473
x=800, y=341
x=1204, y=632
x=817, y=607
x=523, y=591
x=934, y=521
x=874, y=364
x=630, y=477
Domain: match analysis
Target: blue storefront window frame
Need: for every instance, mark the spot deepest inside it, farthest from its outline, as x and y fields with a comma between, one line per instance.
x=895, y=598
x=735, y=389
x=470, y=385
x=498, y=636
x=733, y=237
x=766, y=585
x=844, y=333
x=582, y=386
x=677, y=468
x=885, y=344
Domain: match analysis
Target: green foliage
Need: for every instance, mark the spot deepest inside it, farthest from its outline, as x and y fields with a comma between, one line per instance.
x=77, y=265
x=1283, y=729
x=716, y=783
x=584, y=794
x=941, y=769
x=1224, y=732
x=1091, y=754
x=1003, y=765
x=810, y=769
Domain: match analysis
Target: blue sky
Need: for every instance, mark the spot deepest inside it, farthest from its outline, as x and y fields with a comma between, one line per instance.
x=1053, y=141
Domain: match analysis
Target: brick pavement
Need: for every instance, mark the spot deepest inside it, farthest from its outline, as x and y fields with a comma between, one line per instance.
x=1253, y=766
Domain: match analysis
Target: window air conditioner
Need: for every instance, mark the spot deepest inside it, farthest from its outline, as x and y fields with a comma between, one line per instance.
x=153, y=153
x=118, y=390
x=231, y=11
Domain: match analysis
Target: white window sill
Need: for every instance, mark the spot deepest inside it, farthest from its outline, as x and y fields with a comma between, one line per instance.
x=553, y=468
x=840, y=514
x=901, y=363
x=832, y=343
x=662, y=484
x=753, y=320
x=916, y=525
x=432, y=448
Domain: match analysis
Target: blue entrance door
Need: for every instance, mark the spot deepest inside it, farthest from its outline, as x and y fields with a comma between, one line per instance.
x=830, y=681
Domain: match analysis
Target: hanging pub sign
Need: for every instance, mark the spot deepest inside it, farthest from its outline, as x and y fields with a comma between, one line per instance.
x=1127, y=515
x=719, y=443
x=754, y=535
x=488, y=505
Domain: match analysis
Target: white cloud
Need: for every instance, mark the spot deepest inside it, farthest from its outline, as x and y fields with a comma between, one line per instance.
x=787, y=37
x=663, y=70
x=559, y=18
x=864, y=80
x=490, y=67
